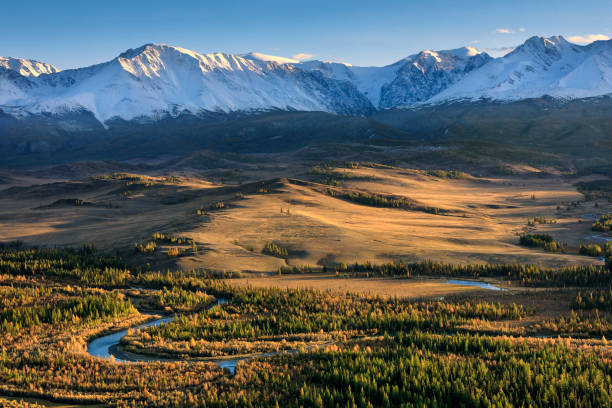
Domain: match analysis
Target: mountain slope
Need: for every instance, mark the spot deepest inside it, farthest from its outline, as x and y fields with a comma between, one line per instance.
x=541, y=66
x=427, y=73
x=408, y=81
x=158, y=80
x=27, y=67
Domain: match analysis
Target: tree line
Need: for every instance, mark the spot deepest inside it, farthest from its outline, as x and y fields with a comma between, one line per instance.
x=529, y=275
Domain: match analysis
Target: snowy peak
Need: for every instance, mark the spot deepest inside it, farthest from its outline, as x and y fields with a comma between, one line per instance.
x=556, y=42
x=541, y=66
x=421, y=76
x=448, y=59
x=463, y=52
x=547, y=50
x=408, y=81
x=133, y=52
x=152, y=59
x=157, y=80
x=27, y=67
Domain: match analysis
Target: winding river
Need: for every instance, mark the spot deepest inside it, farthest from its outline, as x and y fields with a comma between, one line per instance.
x=602, y=238
x=482, y=285
x=107, y=346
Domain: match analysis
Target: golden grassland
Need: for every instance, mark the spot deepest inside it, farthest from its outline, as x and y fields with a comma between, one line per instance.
x=231, y=224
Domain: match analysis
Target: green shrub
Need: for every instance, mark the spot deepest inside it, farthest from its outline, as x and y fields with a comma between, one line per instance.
x=604, y=224
x=544, y=241
x=590, y=250
x=274, y=250
x=387, y=201
x=147, y=248
x=540, y=220
x=450, y=174
x=298, y=269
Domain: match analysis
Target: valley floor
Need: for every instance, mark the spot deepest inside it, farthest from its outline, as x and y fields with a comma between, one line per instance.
x=459, y=220
x=349, y=285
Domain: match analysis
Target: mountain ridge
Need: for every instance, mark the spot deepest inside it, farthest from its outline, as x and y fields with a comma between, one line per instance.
x=541, y=66
x=157, y=80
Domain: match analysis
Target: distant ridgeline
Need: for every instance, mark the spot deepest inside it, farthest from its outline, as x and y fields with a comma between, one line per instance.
x=541, y=109
x=574, y=136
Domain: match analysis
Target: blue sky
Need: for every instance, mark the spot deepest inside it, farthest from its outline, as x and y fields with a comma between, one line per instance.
x=79, y=33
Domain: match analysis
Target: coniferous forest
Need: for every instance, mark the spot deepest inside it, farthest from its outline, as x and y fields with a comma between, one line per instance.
x=297, y=347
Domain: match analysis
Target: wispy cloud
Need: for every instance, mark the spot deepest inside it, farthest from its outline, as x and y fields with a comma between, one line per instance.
x=522, y=29
x=499, y=52
x=302, y=56
x=586, y=39
x=504, y=31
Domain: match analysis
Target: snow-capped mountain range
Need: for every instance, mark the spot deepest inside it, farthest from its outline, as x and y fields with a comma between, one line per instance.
x=156, y=80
